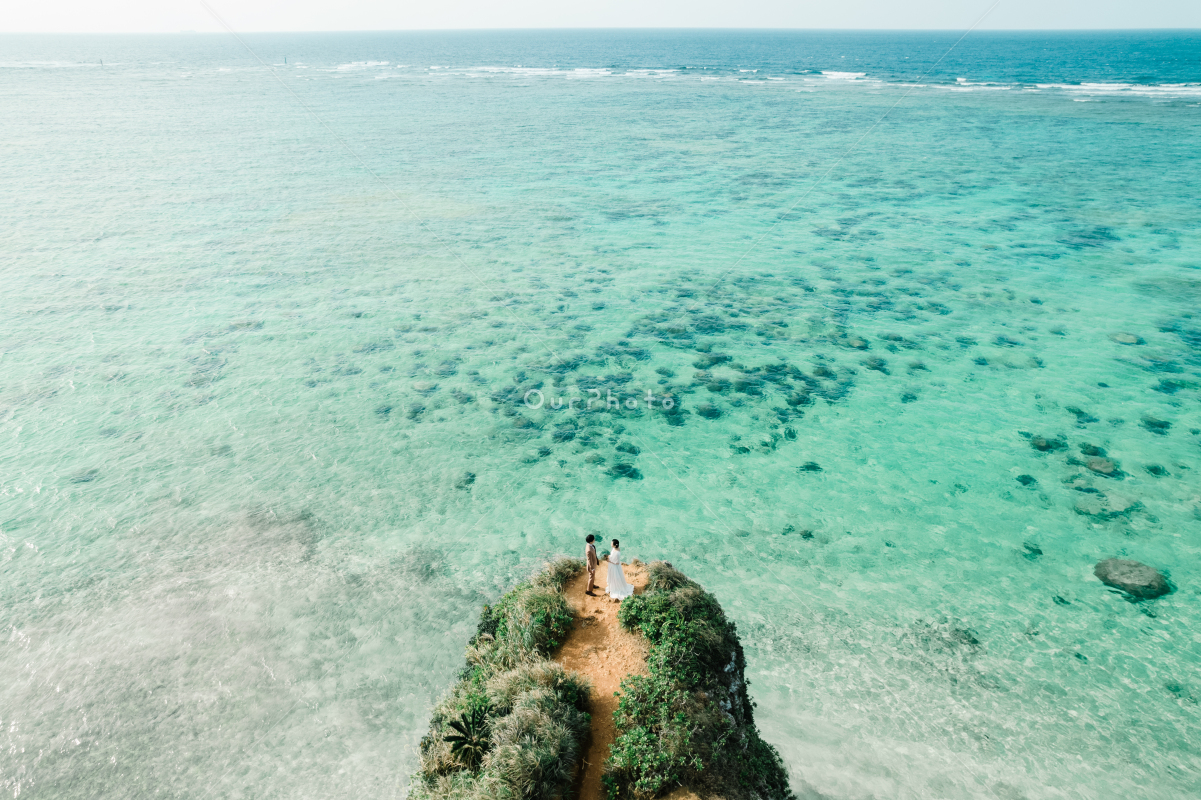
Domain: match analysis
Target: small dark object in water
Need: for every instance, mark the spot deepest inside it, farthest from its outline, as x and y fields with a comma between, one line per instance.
x=625, y=471
x=1027, y=480
x=84, y=476
x=1103, y=385
x=878, y=364
x=562, y=435
x=543, y=452
x=707, y=360
x=810, y=466
x=708, y=411
x=1156, y=470
x=465, y=480
x=1092, y=450
x=740, y=449
x=1059, y=601
x=1082, y=417
x=1033, y=551
x=908, y=397
x=1082, y=657
x=383, y=411
x=626, y=447
x=790, y=434
x=1156, y=425
x=1045, y=445
x=1103, y=466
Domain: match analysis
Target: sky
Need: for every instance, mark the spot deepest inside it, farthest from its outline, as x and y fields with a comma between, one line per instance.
x=172, y=16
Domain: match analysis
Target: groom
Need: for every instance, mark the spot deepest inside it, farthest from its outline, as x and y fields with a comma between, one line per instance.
x=590, y=557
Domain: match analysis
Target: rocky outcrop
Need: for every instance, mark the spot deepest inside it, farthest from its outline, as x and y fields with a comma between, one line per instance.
x=1136, y=579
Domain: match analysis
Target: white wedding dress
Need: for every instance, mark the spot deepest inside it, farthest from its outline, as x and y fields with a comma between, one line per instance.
x=617, y=586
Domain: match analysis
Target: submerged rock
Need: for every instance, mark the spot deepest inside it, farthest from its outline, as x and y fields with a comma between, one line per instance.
x=1103, y=466
x=1082, y=416
x=1027, y=480
x=1156, y=425
x=1045, y=445
x=1134, y=578
x=876, y=363
x=1102, y=508
x=1126, y=338
x=624, y=471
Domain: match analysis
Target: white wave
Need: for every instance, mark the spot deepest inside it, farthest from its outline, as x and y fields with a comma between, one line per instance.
x=357, y=65
x=843, y=76
x=53, y=64
x=1164, y=91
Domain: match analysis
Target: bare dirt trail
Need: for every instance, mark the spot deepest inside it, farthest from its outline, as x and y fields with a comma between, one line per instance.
x=601, y=651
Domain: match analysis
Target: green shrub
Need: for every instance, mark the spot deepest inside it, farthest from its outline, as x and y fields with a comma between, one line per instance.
x=689, y=722
x=526, y=715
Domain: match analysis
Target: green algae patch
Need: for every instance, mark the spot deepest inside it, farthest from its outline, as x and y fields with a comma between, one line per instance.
x=514, y=724
x=689, y=722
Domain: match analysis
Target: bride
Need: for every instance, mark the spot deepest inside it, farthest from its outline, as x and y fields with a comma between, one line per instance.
x=617, y=586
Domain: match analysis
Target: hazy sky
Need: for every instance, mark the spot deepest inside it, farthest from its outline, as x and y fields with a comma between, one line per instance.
x=101, y=16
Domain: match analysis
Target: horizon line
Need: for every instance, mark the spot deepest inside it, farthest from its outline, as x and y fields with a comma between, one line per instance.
x=600, y=28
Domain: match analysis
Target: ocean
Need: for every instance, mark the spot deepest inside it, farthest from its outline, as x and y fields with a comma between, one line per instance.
x=884, y=338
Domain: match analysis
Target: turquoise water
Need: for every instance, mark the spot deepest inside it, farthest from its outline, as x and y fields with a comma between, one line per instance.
x=266, y=438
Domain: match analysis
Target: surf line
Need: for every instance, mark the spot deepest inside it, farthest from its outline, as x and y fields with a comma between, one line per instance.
x=849, y=150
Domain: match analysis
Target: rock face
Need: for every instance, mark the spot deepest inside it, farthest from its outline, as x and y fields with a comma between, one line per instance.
x=1138, y=580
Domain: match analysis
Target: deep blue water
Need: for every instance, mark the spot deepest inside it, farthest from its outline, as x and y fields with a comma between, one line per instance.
x=1143, y=57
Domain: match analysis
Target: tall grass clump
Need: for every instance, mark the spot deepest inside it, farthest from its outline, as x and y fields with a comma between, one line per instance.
x=514, y=725
x=688, y=722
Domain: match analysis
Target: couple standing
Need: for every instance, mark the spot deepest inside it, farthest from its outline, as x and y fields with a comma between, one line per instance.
x=617, y=586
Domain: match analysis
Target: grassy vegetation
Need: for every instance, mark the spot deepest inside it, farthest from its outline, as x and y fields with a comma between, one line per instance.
x=514, y=724
x=689, y=722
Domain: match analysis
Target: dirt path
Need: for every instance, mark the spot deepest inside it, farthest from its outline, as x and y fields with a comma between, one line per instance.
x=601, y=651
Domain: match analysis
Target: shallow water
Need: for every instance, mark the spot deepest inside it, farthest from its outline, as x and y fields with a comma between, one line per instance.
x=268, y=343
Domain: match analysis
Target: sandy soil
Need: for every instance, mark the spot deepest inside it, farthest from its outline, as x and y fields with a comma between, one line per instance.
x=600, y=650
